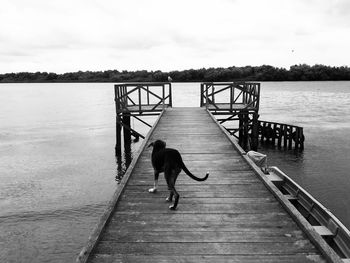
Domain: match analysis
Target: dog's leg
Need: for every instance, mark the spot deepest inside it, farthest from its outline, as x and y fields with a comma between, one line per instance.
x=171, y=180
x=177, y=196
x=170, y=183
x=170, y=198
x=154, y=189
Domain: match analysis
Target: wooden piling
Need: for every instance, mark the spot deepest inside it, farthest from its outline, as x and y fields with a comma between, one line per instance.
x=118, y=135
x=280, y=133
x=255, y=132
x=126, y=128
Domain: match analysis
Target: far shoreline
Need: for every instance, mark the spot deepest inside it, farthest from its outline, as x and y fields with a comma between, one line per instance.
x=301, y=72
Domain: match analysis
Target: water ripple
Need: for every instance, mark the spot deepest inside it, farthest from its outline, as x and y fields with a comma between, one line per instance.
x=77, y=213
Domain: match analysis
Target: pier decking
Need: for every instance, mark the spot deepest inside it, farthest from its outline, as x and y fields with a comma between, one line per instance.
x=231, y=217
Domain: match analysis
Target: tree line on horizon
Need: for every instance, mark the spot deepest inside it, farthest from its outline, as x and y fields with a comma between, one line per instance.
x=301, y=72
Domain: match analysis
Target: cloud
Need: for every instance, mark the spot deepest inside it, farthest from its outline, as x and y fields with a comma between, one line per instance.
x=71, y=35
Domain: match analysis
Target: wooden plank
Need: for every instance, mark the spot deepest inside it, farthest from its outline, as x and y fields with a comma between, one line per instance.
x=242, y=188
x=183, y=180
x=323, y=231
x=267, y=219
x=209, y=156
x=180, y=228
x=151, y=208
x=142, y=192
x=262, y=223
x=302, y=246
x=218, y=236
x=300, y=258
x=217, y=163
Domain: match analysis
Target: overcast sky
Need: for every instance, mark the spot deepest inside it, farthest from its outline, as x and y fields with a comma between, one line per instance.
x=71, y=35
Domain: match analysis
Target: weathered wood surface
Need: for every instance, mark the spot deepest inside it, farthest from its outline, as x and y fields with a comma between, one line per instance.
x=231, y=217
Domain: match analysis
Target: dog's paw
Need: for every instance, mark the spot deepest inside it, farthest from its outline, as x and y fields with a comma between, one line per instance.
x=168, y=199
x=172, y=207
x=152, y=190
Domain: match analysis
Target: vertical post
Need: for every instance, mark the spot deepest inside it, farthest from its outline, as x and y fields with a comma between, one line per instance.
x=255, y=132
x=290, y=138
x=201, y=96
x=244, y=94
x=139, y=91
x=297, y=138
x=206, y=95
x=212, y=94
x=263, y=133
x=258, y=97
x=240, y=129
x=274, y=133
x=163, y=96
x=301, y=138
x=118, y=130
x=269, y=132
x=147, y=95
x=231, y=96
x=127, y=153
x=245, y=130
x=170, y=96
x=280, y=131
x=126, y=129
x=117, y=98
x=285, y=135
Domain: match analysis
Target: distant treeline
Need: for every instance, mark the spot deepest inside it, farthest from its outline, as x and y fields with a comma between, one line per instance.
x=300, y=72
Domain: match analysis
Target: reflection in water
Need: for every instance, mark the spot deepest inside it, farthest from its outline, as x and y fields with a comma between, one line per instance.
x=123, y=158
x=127, y=148
x=271, y=147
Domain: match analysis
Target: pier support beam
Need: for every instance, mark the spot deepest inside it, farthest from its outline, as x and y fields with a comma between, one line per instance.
x=118, y=134
x=243, y=129
x=255, y=132
x=126, y=128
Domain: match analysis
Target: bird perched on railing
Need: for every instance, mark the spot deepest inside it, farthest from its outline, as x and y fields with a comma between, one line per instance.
x=170, y=79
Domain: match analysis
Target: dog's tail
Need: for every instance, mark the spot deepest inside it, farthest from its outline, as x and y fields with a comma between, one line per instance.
x=192, y=176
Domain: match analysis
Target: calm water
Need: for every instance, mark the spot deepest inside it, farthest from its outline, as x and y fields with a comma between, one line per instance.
x=58, y=166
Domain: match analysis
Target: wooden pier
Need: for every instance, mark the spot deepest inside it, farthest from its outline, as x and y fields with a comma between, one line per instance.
x=237, y=215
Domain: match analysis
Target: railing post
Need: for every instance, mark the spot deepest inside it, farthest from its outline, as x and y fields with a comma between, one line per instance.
x=258, y=95
x=285, y=134
x=279, y=141
x=118, y=135
x=255, y=132
x=126, y=128
x=116, y=99
x=206, y=95
x=147, y=95
x=201, y=95
x=244, y=95
x=212, y=94
x=139, y=92
x=163, y=96
x=170, y=96
x=301, y=136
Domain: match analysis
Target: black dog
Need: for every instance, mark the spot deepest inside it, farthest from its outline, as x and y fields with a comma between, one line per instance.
x=169, y=161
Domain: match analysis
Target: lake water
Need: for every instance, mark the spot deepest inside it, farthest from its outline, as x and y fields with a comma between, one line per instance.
x=58, y=165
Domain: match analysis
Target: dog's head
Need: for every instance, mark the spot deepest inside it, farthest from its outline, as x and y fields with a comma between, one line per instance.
x=157, y=145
